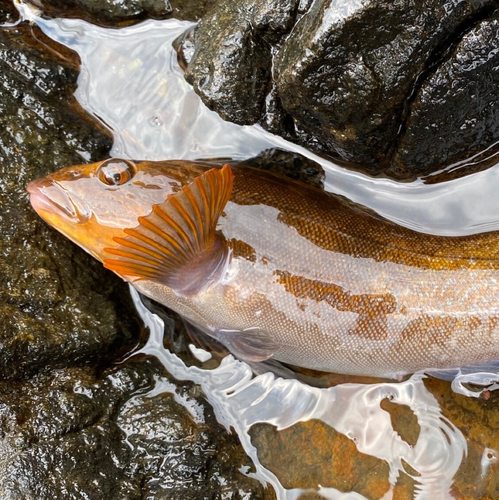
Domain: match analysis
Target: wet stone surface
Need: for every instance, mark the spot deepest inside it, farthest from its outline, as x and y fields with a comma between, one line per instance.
x=109, y=13
x=75, y=433
x=292, y=165
x=389, y=87
x=456, y=111
x=8, y=13
x=404, y=422
x=231, y=66
x=57, y=305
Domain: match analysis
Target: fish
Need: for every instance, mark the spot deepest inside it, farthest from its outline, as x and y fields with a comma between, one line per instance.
x=277, y=270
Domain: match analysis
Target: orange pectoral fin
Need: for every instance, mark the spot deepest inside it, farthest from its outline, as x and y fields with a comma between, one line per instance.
x=179, y=234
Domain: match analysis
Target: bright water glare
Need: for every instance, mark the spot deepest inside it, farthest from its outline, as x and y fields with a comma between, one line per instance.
x=130, y=80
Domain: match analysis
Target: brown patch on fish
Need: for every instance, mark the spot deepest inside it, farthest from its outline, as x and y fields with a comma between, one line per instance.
x=371, y=308
x=241, y=249
x=437, y=329
x=493, y=325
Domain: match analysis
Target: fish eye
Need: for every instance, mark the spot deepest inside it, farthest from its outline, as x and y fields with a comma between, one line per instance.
x=115, y=172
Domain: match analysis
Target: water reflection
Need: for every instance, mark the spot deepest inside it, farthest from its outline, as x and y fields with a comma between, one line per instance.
x=354, y=410
x=131, y=82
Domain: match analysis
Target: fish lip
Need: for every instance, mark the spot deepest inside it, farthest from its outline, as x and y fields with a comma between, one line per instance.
x=47, y=195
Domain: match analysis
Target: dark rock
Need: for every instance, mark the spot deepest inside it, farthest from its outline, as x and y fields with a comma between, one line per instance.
x=109, y=12
x=182, y=451
x=292, y=165
x=368, y=82
x=58, y=307
x=456, y=110
x=185, y=47
x=8, y=13
x=231, y=65
x=58, y=440
x=347, y=72
x=73, y=434
x=191, y=10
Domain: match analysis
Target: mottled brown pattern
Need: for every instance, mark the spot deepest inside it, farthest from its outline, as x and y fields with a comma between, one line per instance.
x=241, y=249
x=336, y=224
x=371, y=308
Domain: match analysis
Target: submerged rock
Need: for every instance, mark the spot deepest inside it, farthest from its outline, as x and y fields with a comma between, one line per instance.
x=109, y=12
x=478, y=420
x=371, y=82
x=311, y=454
x=123, y=434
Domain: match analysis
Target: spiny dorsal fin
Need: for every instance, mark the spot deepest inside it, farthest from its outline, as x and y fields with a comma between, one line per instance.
x=177, y=233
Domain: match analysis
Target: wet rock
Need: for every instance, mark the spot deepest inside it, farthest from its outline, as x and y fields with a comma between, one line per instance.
x=58, y=307
x=57, y=437
x=182, y=450
x=132, y=432
x=311, y=454
x=231, y=65
x=478, y=420
x=346, y=72
x=292, y=165
x=109, y=12
x=456, y=110
x=192, y=10
x=8, y=13
x=370, y=82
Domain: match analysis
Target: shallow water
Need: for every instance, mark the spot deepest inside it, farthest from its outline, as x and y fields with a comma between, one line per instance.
x=240, y=401
x=131, y=82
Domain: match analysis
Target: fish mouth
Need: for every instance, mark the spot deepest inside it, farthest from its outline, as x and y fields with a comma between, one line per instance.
x=47, y=195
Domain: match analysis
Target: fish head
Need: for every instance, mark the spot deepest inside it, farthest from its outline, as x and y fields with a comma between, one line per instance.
x=93, y=204
x=153, y=221
x=155, y=224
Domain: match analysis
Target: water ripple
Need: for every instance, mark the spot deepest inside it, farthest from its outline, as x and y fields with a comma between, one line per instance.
x=241, y=401
x=131, y=81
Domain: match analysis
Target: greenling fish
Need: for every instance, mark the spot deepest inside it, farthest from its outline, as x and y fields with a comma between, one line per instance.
x=273, y=268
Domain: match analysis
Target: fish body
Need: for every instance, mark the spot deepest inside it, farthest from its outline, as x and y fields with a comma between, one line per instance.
x=275, y=269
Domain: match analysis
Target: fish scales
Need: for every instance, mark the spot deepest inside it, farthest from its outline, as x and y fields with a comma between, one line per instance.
x=286, y=271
